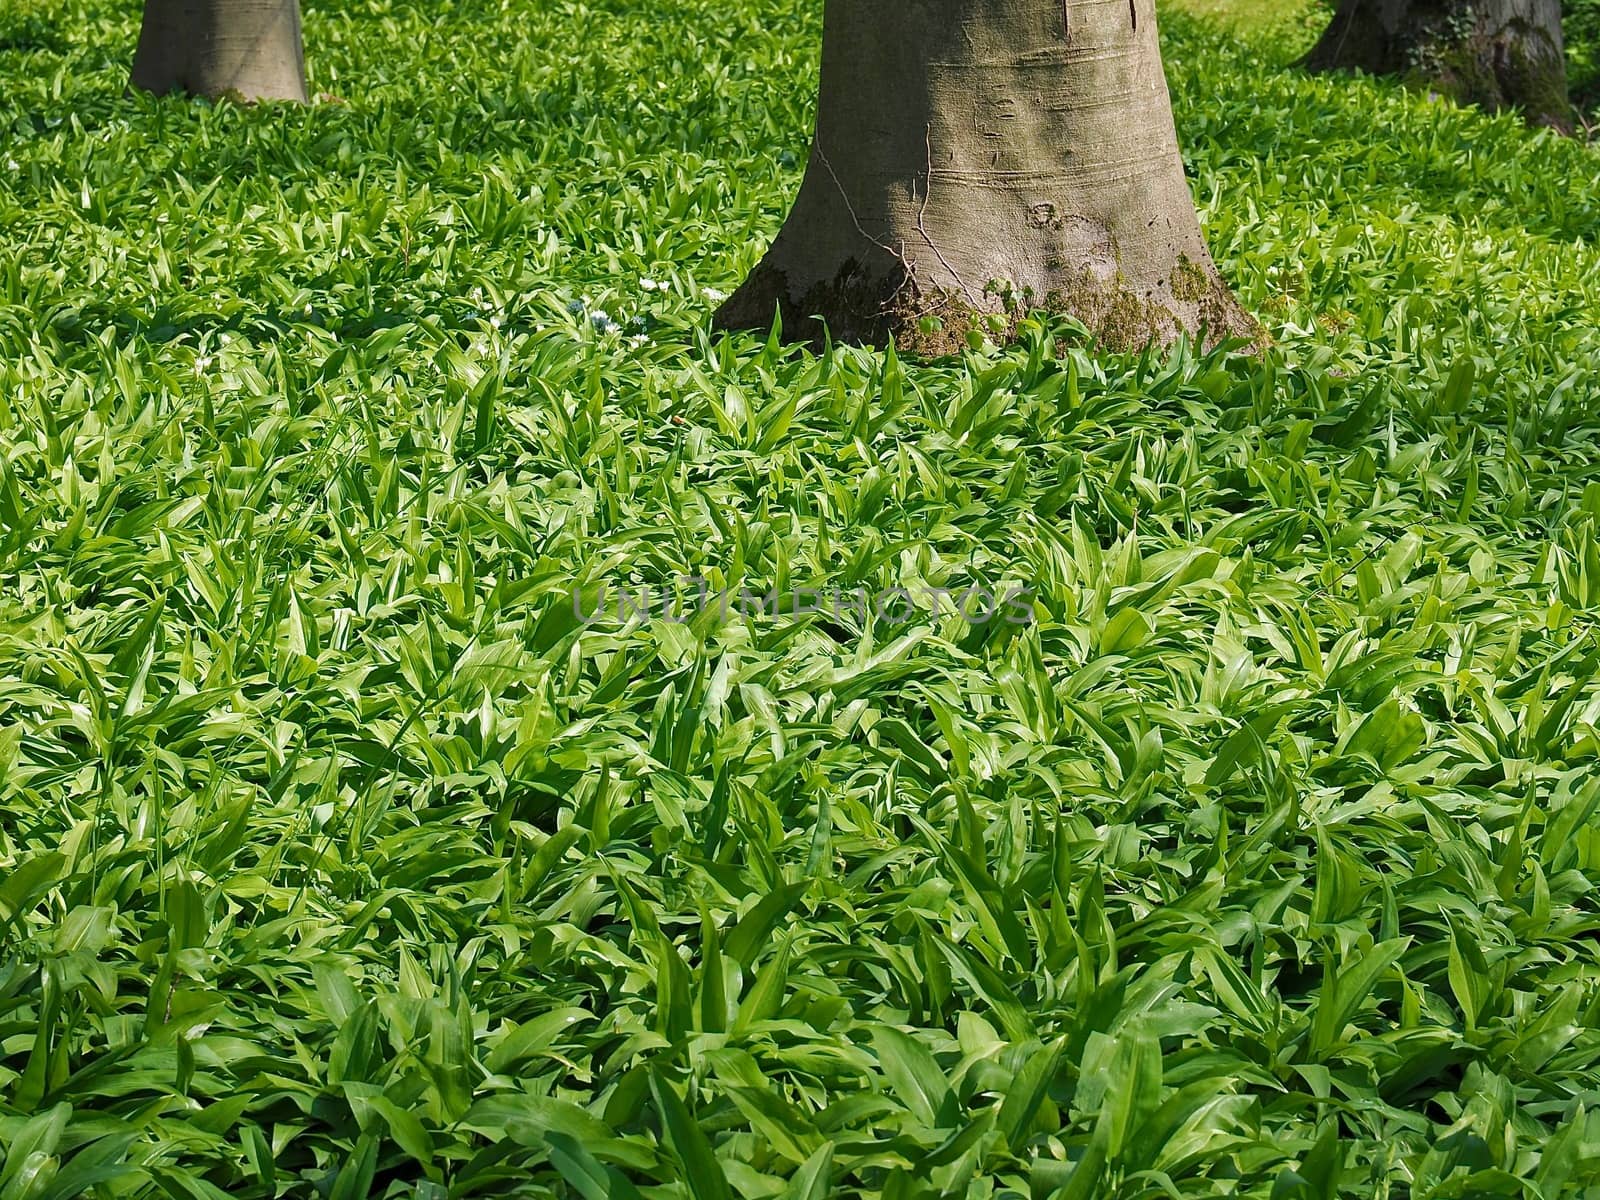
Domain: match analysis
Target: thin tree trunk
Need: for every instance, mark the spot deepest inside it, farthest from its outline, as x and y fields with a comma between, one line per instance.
x=246, y=48
x=1493, y=53
x=977, y=158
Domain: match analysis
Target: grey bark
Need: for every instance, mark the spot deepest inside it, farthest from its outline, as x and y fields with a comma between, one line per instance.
x=1493, y=53
x=247, y=48
x=978, y=157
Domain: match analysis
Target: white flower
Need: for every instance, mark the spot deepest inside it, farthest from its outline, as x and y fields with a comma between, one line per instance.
x=651, y=285
x=637, y=340
x=494, y=322
x=202, y=364
x=13, y=165
x=713, y=295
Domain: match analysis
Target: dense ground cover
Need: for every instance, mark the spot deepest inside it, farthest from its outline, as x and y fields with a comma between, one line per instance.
x=337, y=857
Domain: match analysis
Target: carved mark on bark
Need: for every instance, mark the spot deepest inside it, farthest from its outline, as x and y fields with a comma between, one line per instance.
x=1044, y=216
x=1133, y=14
x=1066, y=20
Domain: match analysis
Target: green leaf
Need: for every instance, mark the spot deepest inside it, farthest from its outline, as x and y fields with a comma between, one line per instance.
x=26, y=881
x=914, y=1077
x=1026, y=1093
x=587, y=1175
x=1345, y=988
x=813, y=1181
x=765, y=997
x=1131, y=1089
x=750, y=935
x=702, y=1172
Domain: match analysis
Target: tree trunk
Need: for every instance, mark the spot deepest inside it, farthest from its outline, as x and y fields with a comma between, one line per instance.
x=249, y=49
x=977, y=158
x=1493, y=53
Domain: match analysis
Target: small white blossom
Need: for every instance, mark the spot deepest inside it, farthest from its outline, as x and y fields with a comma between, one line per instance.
x=713, y=295
x=651, y=285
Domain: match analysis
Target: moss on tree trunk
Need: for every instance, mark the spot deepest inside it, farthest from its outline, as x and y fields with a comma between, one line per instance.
x=1496, y=54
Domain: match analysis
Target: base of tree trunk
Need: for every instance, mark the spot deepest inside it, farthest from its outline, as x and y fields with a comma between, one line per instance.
x=244, y=49
x=878, y=301
x=1497, y=54
x=974, y=161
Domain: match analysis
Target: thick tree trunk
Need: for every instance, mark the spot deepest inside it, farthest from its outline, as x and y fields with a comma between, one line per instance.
x=977, y=158
x=1493, y=53
x=246, y=48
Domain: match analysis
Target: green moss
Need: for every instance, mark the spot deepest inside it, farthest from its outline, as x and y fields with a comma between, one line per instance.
x=1130, y=321
x=943, y=323
x=1535, y=80
x=1513, y=67
x=877, y=303
x=1190, y=281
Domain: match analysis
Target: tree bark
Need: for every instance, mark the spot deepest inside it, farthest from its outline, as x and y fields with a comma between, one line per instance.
x=249, y=49
x=974, y=159
x=1494, y=53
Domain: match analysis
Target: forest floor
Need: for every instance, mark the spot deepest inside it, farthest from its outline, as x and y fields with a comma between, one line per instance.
x=355, y=841
x=1285, y=29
